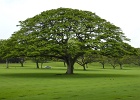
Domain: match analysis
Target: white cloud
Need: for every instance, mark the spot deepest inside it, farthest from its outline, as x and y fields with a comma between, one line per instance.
x=123, y=13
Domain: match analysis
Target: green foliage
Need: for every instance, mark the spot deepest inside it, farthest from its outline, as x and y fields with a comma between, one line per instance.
x=4, y=48
x=135, y=58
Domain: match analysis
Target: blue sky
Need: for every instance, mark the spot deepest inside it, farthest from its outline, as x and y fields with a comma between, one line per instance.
x=122, y=13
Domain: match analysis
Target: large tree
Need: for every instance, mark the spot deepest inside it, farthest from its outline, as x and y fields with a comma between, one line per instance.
x=66, y=34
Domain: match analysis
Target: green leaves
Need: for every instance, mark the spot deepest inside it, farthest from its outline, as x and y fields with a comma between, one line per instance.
x=57, y=27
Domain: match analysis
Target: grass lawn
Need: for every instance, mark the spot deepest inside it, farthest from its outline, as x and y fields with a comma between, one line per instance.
x=29, y=83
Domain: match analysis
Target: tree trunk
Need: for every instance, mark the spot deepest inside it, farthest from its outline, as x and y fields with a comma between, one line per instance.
x=21, y=64
x=64, y=64
x=83, y=64
x=84, y=67
x=37, y=64
x=69, y=69
x=103, y=64
x=41, y=65
x=7, y=66
x=121, y=66
x=70, y=65
x=113, y=67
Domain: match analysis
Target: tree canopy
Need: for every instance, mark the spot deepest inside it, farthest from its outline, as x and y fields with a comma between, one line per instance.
x=66, y=34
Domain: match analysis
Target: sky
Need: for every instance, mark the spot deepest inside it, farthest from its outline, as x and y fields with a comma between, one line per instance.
x=122, y=13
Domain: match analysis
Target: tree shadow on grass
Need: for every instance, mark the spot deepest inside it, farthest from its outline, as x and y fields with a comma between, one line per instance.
x=60, y=75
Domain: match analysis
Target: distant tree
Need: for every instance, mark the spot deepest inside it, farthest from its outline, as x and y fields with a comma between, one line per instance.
x=84, y=60
x=102, y=60
x=2, y=60
x=10, y=53
x=38, y=60
x=117, y=52
x=113, y=61
x=1, y=48
x=4, y=51
x=135, y=59
x=66, y=34
x=124, y=60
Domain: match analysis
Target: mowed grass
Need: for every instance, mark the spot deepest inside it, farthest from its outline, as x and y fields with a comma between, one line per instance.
x=29, y=83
